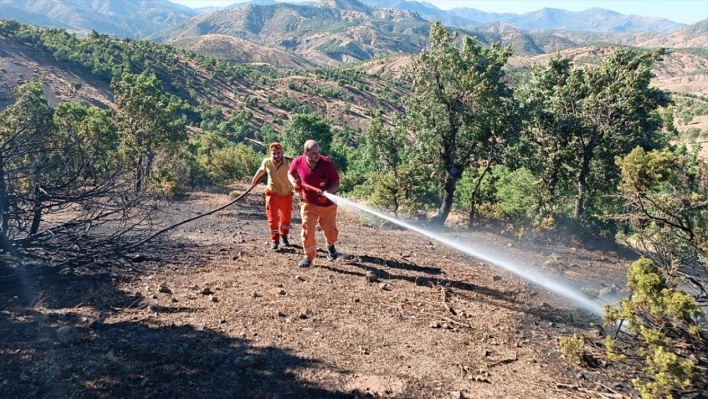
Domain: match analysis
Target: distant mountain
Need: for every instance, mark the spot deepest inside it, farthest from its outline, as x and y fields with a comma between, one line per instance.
x=251, y=2
x=331, y=32
x=695, y=35
x=124, y=18
x=328, y=32
x=592, y=20
x=427, y=11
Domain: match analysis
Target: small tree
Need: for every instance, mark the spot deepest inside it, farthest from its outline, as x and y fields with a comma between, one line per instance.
x=459, y=106
x=61, y=176
x=146, y=121
x=666, y=210
x=303, y=127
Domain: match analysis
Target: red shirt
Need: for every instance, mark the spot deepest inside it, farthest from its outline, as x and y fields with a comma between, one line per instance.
x=321, y=177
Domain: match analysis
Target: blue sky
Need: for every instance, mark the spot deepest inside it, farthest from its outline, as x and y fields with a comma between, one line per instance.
x=683, y=11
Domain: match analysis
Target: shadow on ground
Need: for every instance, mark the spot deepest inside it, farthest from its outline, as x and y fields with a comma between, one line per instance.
x=51, y=349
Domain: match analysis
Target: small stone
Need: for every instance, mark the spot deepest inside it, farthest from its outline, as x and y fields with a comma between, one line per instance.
x=303, y=316
x=214, y=298
x=456, y=395
x=137, y=258
x=255, y=294
x=68, y=335
x=509, y=245
x=497, y=278
x=165, y=289
x=371, y=277
x=446, y=326
x=299, y=277
x=122, y=344
x=280, y=314
x=206, y=291
x=384, y=287
x=144, y=382
x=281, y=292
x=434, y=324
x=244, y=361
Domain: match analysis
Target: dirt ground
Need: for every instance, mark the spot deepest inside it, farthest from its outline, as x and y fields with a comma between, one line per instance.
x=208, y=311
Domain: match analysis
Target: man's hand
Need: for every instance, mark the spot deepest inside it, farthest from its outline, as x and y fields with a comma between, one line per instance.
x=297, y=186
x=322, y=197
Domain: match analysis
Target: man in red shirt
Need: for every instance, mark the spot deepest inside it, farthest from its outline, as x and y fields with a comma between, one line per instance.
x=312, y=175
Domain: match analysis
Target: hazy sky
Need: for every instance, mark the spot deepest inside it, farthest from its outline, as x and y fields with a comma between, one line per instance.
x=684, y=11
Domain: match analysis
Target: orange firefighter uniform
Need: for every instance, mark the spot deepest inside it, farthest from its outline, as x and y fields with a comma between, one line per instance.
x=278, y=196
x=315, y=207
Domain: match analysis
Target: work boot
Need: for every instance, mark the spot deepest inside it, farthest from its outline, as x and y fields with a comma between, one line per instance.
x=284, y=241
x=274, y=245
x=305, y=262
x=332, y=252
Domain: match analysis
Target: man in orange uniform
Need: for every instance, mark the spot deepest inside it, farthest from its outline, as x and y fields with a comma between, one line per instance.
x=278, y=194
x=313, y=175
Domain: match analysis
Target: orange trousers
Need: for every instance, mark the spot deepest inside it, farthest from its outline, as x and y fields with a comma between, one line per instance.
x=279, y=210
x=327, y=218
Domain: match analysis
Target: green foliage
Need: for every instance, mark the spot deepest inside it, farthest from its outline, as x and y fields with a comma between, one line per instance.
x=664, y=195
x=515, y=195
x=146, y=121
x=581, y=119
x=59, y=164
x=662, y=318
x=213, y=159
x=303, y=127
x=573, y=348
x=461, y=110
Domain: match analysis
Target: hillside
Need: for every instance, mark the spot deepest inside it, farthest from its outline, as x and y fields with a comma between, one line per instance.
x=69, y=72
x=240, y=51
x=123, y=18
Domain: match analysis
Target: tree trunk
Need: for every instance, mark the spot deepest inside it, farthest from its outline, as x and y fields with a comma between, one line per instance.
x=139, y=174
x=36, y=210
x=446, y=206
x=4, y=207
x=473, y=199
x=149, y=157
x=582, y=184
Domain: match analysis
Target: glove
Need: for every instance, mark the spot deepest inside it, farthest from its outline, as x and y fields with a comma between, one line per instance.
x=298, y=186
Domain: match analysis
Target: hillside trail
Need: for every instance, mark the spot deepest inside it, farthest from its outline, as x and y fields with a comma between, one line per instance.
x=211, y=311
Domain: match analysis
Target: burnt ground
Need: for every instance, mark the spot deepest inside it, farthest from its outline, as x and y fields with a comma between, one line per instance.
x=208, y=311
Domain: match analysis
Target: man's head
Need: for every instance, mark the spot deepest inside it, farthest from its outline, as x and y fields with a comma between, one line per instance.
x=276, y=152
x=312, y=151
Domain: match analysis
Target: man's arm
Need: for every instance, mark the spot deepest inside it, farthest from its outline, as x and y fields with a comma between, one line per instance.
x=333, y=188
x=259, y=173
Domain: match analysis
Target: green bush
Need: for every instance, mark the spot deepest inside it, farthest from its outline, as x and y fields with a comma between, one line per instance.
x=661, y=319
x=515, y=194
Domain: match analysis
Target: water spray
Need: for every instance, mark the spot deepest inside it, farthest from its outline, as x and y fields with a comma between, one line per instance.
x=483, y=254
